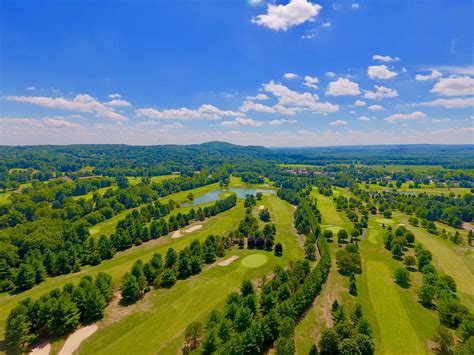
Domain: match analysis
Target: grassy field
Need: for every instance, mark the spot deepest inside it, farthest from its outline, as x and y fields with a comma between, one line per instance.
x=156, y=324
x=396, y=331
x=453, y=260
x=396, y=168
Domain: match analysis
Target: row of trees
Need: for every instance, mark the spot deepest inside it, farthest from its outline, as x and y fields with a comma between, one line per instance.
x=58, y=312
x=164, y=273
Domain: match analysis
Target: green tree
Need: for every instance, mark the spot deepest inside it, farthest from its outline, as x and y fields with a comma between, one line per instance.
x=26, y=277
x=130, y=289
x=17, y=333
x=192, y=335
x=402, y=277
x=328, y=343
x=444, y=338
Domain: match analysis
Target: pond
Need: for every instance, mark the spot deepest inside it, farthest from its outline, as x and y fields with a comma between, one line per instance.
x=215, y=195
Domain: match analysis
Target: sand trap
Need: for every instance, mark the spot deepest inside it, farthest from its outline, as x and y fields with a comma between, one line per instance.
x=193, y=228
x=261, y=207
x=294, y=206
x=42, y=349
x=76, y=338
x=176, y=234
x=228, y=261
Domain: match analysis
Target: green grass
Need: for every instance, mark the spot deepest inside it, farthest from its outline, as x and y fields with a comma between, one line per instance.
x=156, y=324
x=396, y=331
x=255, y=260
x=4, y=197
x=447, y=260
x=385, y=221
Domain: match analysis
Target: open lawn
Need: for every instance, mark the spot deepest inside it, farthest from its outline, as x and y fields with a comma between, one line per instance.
x=418, y=168
x=396, y=331
x=157, y=323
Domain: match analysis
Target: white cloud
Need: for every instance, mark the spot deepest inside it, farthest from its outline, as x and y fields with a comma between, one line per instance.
x=54, y=122
x=440, y=120
x=434, y=75
x=311, y=82
x=336, y=6
x=326, y=24
x=380, y=72
x=207, y=112
x=447, y=103
x=454, y=86
x=258, y=97
x=375, y=107
x=331, y=74
x=457, y=130
x=287, y=97
x=81, y=103
x=253, y=106
x=309, y=36
x=281, y=121
x=342, y=87
x=30, y=88
x=20, y=121
x=452, y=69
x=239, y=121
x=338, y=123
x=360, y=103
x=281, y=17
x=380, y=92
x=363, y=118
x=405, y=117
x=291, y=76
x=114, y=96
x=385, y=58
x=173, y=125
x=355, y=5
x=121, y=103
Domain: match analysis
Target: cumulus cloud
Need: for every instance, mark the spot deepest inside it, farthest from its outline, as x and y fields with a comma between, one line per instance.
x=121, y=103
x=434, y=75
x=173, y=125
x=291, y=76
x=447, y=103
x=375, y=107
x=30, y=88
x=258, y=97
x=331, y=74
x=281, y=122
x=405, y=117
x=311, y=82
x=114, y=96
x=359, y=103
x=343, y=87
x=253, y=106
x=355, y=5
x=454, y=86
x=453, y=69
x=338, y=123
x=81, y=103
x=207, y=112
x=380, y=72
x=326, y=24
x=363, y=118
x=240, y=121
x=55, y=122
x=385, y=58
x=282, y=17
x=380, y=92
x=287, y=97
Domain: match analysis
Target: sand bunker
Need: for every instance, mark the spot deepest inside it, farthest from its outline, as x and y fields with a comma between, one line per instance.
x=261, y=207
x=294, y=206
x=193, y=228
x=228, y=261
x=42, y=349
x=76, y=338
x=176, y=234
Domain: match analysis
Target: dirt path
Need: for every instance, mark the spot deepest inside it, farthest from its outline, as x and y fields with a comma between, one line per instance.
x=75, y=339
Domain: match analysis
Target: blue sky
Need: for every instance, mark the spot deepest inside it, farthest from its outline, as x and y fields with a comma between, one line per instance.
x=274, y=73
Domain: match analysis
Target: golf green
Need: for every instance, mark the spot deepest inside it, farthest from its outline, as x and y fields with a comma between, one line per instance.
x=334, y=229
x=385, y=221
x=254, y=260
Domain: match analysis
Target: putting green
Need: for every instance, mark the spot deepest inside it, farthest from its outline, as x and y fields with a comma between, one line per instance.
x=385, y=221
x=254, y=260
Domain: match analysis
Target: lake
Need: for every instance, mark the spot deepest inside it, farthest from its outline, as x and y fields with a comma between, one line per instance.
x=214, y=195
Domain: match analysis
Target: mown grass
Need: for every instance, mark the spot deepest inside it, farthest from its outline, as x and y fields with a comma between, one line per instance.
x=157, y=323
x=397, y=168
